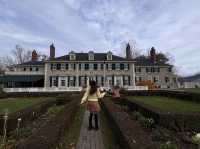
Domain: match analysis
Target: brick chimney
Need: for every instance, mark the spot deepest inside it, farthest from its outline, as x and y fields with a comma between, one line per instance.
x=128, y=51
x=153, y=55
x=52, y=51
x=34, y=56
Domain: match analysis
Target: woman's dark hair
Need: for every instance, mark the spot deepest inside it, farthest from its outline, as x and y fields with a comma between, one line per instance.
x=93, y=87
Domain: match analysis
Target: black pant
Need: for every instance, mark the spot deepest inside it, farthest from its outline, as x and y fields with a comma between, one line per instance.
x=95, y=119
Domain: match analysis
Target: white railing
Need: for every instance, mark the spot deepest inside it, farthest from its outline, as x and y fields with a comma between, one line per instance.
x=136, y=87
x=57, y=89
x=42, y=89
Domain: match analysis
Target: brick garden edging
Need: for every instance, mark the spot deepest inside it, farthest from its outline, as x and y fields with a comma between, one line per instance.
x=175, y=121
x=132, y=135
x=49, y=135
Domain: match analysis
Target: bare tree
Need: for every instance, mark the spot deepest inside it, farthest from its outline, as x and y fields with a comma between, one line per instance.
x=21, y=55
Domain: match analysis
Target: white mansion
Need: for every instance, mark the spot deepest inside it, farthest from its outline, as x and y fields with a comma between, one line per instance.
x=74, y=69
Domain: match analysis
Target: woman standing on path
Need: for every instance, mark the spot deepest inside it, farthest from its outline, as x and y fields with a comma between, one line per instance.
x=91, y=96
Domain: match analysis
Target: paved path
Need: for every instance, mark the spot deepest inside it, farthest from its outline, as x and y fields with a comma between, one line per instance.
x=89, y=139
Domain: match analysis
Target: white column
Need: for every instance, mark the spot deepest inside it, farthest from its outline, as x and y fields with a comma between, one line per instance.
x=104, y=74
x=45, y=75
x=133, y=80
x=77, y=76
x=115, y=81
x=59, y=81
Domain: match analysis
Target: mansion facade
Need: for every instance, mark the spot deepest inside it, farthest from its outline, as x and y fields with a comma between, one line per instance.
x=74, y=69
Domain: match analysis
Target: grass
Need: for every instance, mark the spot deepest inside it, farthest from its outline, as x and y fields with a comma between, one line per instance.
x=11, y=105
x=110, y=139
x=72, y=135
x=168, y=104
x=191, y=90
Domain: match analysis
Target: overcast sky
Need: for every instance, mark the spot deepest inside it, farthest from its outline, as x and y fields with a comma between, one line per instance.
x=171, y=26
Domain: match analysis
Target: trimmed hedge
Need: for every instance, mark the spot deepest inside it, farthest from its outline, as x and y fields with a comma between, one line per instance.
x=49, y=135
x=182, y=95
x=131, y=134
x=33, y=94
x=178, y=122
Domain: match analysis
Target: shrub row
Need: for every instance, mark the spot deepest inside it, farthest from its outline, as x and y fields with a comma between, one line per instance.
x=178, y=122
x=182, y=95
x=49, y=135
x=27, y=115
x=34, y=94
x=131, y=134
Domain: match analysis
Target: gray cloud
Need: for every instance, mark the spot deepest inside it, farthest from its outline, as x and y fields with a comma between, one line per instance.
x=171, y=26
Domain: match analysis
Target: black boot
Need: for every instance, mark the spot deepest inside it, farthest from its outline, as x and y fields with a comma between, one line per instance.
x=96, y=121
x=90, y=122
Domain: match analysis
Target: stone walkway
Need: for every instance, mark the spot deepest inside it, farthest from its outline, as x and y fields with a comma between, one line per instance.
x=89, y=139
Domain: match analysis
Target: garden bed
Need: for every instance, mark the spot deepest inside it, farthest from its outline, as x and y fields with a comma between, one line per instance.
x=131, y=134
x=50, y=134
x=167, y=113
x=175, y=125
x=26, y=115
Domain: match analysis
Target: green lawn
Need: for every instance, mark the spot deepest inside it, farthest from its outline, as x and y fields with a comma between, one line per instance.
x=168, y=104
x=192, y=90
x=14, y=104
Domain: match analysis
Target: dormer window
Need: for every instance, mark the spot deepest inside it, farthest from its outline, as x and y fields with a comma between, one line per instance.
x=72, y=56
x=91, y=55
x=109, y=55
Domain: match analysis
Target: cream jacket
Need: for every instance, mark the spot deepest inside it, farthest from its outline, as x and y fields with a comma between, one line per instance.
x=94, y=97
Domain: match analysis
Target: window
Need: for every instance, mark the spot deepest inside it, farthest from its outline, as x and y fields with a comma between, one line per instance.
x=31, y=68
x=170, y=69
x=137, y=69
x=155, y=79
x=24, y=69
x=138, y=79
x=122, y=66
x=91, y=66
x=71, y=81
x=54, y=81
x=175, y=80
x=113, y=66
x=109, y=66
x=109, y=55
x=36, y=69
x=72, y=66
x=63, y=83
x=58, y=66
x=86, y=66
x=72, y=56
x=117, y=66
x=66, y=66
x=148, y=69
x=166, y=79
x=62, y=66
x=95, y=66
x=91, y=55
x=126, y=66
x=53, y=66
x=126, y=80
x=102, y=66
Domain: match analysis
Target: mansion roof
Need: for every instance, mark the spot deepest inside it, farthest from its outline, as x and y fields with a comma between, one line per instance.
x=84, y=57
x=139, y=61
